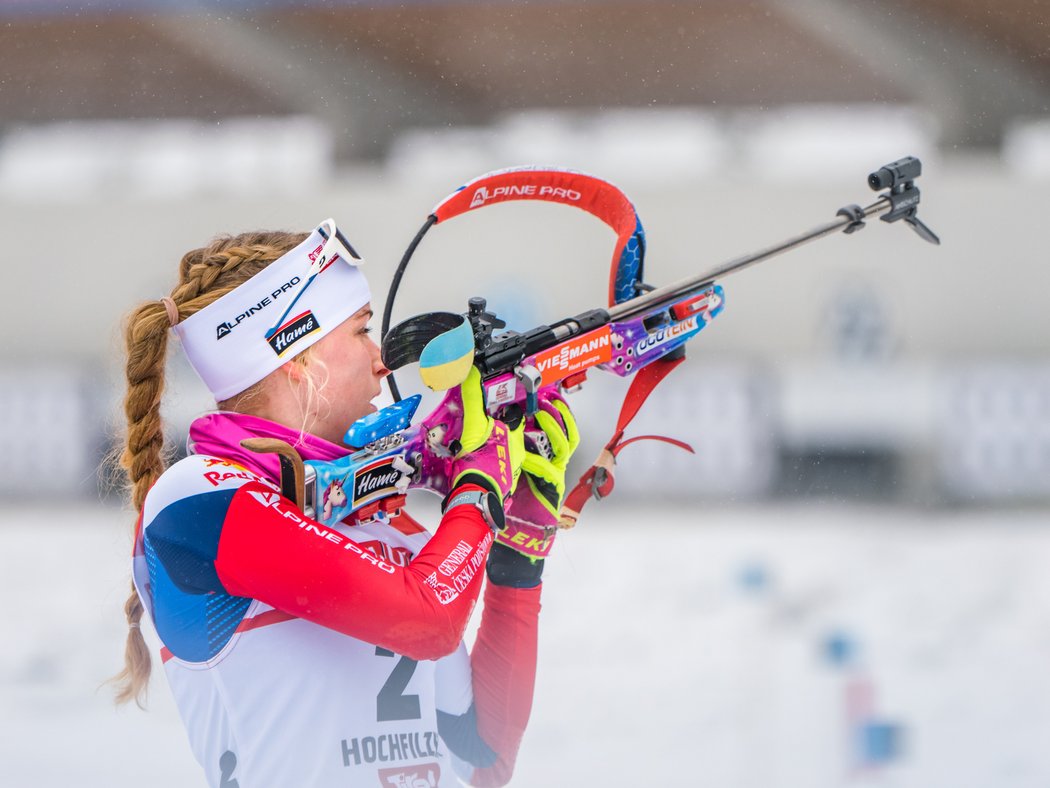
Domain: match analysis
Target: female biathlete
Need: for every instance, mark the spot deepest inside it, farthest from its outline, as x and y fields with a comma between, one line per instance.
x=301, y=655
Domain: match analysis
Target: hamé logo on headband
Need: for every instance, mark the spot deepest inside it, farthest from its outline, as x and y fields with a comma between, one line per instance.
x=292, y=331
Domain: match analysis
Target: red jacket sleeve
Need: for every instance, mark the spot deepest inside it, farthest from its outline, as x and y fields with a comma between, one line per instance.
x=503, y=667
x=270, y=551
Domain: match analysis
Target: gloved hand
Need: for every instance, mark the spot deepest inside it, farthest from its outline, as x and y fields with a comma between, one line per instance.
x=532, y=513
x=489, y=452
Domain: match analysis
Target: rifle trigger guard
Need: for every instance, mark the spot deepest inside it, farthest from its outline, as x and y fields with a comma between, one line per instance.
x=856, y=214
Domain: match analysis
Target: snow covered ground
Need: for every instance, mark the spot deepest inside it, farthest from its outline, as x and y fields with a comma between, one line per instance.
x=682, y=647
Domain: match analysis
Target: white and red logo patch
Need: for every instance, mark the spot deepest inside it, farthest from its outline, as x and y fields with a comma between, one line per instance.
x=325, y=263
x=501, y=393
x=425, y=775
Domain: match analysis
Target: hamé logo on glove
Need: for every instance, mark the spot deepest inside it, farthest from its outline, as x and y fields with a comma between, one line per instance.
x=292, y=331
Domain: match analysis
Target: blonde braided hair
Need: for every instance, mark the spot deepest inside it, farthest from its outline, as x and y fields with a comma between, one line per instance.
x=205, y=275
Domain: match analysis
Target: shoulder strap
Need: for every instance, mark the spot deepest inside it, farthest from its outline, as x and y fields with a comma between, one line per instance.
x=598, y=481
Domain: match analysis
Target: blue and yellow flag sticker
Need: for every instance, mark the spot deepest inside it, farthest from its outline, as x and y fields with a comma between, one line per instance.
x=446, y=360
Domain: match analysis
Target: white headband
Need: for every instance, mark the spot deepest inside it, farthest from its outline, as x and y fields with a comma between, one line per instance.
x=278, y=313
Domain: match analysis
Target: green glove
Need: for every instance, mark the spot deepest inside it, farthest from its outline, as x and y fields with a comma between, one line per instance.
x=489, y=452
x=532, y=514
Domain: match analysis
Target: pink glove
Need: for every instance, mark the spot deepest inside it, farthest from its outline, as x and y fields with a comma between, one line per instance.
x=486, y=451
x=532, y=513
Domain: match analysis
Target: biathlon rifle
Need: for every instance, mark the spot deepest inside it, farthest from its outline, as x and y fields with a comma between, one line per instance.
x=642, y=332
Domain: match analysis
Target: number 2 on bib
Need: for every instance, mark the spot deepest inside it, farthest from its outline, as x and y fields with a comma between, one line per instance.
x=391, y=702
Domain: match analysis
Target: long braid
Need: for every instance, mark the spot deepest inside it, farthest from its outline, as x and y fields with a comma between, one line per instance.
x=143, y=462
x=204, y=275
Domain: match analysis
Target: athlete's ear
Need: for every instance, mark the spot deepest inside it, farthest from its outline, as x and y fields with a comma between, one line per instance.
x=294, y=369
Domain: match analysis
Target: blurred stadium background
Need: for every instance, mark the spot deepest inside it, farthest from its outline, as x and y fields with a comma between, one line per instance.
x=873, y=366
x=872, y=373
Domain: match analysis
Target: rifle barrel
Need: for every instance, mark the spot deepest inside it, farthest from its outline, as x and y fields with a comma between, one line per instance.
x=698, y=281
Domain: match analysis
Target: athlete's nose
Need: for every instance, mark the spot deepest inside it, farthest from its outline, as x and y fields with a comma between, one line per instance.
x=378, y=367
